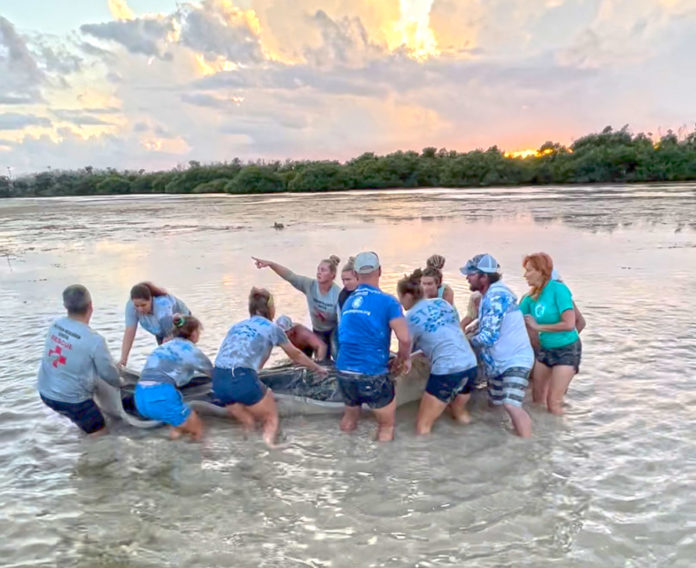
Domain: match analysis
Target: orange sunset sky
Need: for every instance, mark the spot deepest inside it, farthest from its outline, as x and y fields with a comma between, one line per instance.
x=155, y=83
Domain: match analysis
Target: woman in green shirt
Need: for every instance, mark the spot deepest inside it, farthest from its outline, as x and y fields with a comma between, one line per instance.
x=550, y=313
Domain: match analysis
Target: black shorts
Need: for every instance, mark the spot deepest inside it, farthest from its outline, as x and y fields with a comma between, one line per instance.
x=85, y=414
x=376, y=391
x=569, y=355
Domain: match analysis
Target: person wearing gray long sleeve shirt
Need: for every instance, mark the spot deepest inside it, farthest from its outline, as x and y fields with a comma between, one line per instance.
x=74, y=358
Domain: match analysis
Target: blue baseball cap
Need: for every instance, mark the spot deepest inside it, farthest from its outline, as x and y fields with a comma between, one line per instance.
x=480, y=263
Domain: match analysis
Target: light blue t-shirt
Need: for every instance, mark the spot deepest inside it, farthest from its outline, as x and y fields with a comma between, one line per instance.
x=434, y=329
x=554, y=299
x=159, y=321
x=175, y=362
x=74, y=357
x=364, y=333
x=249, y=343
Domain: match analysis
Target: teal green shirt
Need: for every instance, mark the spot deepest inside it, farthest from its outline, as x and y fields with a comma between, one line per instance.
x=554, y=299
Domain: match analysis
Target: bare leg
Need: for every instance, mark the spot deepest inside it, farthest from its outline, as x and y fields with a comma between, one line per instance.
x=192, y=426
x=429, y=410
x=98, y=433
x=239, y=412
x=385, y=421
x=520, y=420
x=459, y=410
x=541, y=379
x=265, y=411
x=351, y=415
x=561, y=375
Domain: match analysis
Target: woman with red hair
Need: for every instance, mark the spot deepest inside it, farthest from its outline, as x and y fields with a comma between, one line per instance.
x=550, y=312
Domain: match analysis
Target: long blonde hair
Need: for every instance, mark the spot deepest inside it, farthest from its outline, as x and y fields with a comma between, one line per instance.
x=260, y=302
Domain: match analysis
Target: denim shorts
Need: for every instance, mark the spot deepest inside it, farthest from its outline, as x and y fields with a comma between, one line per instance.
x=509, y=386
x=161, y=401
x=447, y=387
x=376, y=391
x=85, y=414
x=569, y=355
x=238, y=385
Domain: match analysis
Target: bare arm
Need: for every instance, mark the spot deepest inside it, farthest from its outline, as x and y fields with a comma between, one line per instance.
x=320, y=348
x=567, y=323
x=402, y=362
x=448, y=295
x=280, y=270
x=579, y=318
x=301, y=359
x=128, y=337
x=466, y=320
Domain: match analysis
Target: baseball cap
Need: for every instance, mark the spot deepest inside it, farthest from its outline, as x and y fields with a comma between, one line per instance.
x=480, y=263
x=284, y=323
x=366, y=262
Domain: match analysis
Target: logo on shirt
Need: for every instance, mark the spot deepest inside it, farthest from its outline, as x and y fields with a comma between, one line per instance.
x=539, y=310
x=357, y=302
x=58, y=352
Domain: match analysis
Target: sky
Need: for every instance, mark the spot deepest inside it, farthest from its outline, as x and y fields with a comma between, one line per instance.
x=152, y=84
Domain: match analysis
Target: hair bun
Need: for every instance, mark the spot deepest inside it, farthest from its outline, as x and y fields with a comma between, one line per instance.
x=436, y=261
x=179, y=320
x=333, y=259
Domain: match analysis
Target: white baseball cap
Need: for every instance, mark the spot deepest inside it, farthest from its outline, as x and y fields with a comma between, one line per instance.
x=284, y=323
x=480, y=263
x=366, y=262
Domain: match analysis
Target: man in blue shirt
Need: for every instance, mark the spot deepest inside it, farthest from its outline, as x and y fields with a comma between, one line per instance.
x=364, y=333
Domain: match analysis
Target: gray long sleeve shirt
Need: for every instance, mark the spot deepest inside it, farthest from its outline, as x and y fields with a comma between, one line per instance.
x=74, y=356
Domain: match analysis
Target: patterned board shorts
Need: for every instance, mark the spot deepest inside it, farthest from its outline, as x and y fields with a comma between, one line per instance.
x=509, y=386
x=569, y=355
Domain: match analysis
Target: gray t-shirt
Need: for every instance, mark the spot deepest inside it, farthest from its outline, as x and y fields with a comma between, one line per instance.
x=74, y=357
x=434, y=329
x=159, y=322
x=249, y=343
x=175, y=362
x=322, y=307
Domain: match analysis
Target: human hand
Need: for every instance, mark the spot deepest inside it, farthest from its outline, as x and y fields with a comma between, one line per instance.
x=261, y=263
x=323, y=372
x=531, y=322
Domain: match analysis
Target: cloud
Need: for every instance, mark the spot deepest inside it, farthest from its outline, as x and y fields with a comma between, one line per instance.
x=143, y=36
x=217, y=29
x=20, y=73
x=18, y=121
x=79, y=117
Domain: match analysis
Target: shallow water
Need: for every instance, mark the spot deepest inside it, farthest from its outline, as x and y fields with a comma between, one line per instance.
x=612, y=483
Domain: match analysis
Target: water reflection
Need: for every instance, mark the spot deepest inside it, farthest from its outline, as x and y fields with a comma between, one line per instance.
x=611, y=484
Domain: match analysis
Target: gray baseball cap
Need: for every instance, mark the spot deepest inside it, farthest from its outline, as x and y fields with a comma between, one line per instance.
x=480, y=263
x=366, y=262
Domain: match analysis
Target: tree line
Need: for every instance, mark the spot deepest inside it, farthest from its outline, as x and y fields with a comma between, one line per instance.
x=611, y=156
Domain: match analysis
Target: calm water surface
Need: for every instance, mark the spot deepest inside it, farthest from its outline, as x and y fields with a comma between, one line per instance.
x=613, y=483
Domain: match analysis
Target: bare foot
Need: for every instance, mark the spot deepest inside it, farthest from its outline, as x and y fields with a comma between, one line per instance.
x=385, y=434
x=348, y=424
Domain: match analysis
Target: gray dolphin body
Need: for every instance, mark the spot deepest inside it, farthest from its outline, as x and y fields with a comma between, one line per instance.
x=296, y=390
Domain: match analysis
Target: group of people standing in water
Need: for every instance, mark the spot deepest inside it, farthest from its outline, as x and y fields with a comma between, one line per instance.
x=351, y=329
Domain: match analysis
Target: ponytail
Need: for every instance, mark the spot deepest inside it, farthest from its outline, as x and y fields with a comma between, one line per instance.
x=185, y=326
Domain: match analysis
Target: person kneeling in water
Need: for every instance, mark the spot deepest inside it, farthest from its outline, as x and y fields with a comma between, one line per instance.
x=304, y=339
x=243, y=352
x=170, y=366
x=74, y=357
x=433, y=325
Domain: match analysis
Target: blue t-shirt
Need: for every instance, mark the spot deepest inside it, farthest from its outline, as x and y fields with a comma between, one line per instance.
x=249, y=343
x=554, y=299
x=159, y=321
x=364, y=333
x=434, y=329
x=175, y=362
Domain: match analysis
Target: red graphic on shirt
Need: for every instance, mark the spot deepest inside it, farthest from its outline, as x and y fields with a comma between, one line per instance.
x=60, y=360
